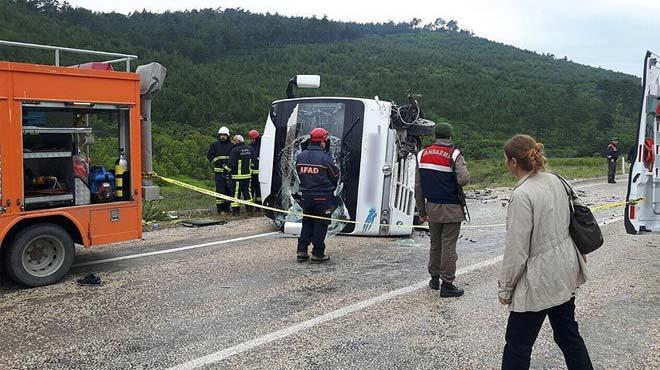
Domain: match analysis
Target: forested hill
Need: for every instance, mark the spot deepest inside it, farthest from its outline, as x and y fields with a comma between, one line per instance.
x=226, y=66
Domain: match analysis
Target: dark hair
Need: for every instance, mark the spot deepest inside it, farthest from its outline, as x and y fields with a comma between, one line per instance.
x=527, y=152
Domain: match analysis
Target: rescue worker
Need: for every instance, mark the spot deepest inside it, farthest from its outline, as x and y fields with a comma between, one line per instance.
x=440, y=175
x=612, y=156
x=255, y=144
x=218, y=155
x=318, y=174
x=239, y=167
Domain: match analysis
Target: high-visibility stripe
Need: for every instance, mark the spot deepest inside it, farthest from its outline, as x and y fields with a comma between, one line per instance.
x=435, y=167
x=218, y=169
x=236, y=195
x=241, y=177
x=255, y=172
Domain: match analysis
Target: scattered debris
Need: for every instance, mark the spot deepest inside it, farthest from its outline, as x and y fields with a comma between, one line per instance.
x=202, y=222
x=408, y=243
x=89, y=280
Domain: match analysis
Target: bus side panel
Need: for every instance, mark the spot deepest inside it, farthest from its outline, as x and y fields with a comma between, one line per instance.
x=374, y=150
x=266, y=160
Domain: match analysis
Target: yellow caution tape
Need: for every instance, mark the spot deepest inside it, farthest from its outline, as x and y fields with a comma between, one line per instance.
x=299, y=214
x=615, y=205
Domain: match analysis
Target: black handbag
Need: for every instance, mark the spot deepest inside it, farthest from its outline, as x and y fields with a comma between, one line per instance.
x=583, y=226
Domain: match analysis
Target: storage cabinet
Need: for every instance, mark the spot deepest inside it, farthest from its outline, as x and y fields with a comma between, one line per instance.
x=48, y=166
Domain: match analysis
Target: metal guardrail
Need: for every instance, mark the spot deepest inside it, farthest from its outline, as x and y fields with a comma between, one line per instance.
x=127, y=58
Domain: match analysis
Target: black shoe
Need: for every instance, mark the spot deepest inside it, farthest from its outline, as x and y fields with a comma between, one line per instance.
x=302, y=257
x=321, y=259
x=434, y=283
x=450, y=290
x=90, y=279
x=236, y=213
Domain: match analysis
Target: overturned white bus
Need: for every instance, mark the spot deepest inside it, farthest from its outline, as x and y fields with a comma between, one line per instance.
x=644, y=177
x=374, y=143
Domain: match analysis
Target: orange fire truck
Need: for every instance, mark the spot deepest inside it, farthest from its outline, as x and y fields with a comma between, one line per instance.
x=75, y=145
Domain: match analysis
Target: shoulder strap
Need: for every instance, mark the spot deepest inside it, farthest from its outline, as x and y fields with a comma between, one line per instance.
x=567, y=187
x=569, y=192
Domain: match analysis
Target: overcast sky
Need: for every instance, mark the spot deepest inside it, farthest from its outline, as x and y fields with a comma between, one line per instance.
x=612, y=34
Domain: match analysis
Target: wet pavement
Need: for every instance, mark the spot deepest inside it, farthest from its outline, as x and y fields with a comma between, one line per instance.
x=246, y=303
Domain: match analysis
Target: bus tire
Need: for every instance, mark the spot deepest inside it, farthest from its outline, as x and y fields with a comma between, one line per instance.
x=39, y=255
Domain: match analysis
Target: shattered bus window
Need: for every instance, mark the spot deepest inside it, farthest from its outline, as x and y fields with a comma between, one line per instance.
x=304, y=118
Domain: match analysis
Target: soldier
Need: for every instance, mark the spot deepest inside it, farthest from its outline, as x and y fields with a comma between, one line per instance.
x=441, y=172
x=612, y=157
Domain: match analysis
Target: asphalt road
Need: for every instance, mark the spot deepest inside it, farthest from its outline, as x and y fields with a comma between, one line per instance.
x=234, y=297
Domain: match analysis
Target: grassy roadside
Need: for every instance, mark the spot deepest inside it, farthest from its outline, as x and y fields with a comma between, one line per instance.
x=493, y=173
x=484, y=173
x=175, y=198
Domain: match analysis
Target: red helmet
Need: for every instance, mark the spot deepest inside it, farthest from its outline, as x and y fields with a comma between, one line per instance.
x=318, y=134
x=253, y=134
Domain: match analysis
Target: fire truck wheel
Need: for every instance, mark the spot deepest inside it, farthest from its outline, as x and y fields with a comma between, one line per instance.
x=40, y=255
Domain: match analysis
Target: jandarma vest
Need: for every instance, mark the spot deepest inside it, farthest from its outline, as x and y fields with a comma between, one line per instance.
x=438, y=174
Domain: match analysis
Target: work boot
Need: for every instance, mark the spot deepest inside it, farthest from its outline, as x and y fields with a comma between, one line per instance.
x=434, y=283
x=302, y=257
x=450, y=290
x=321, y=259
x=236, y=212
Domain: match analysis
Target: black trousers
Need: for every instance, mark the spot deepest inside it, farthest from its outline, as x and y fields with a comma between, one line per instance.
x=222, y=187
x=314, y=231
x=256, y=189
x=241, y=189
x=611, y=170
x=523, y=328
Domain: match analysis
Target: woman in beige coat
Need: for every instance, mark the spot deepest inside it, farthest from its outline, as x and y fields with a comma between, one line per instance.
x=542, y=267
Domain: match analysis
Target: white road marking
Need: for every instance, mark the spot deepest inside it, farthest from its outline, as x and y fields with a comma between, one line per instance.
x=470, y=226
x=251, y=344
x=598, y=184
x=173, y=250
x=611, y=221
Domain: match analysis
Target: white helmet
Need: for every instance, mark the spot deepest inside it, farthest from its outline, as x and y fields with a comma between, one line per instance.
x=223, y=131
x=239, y=139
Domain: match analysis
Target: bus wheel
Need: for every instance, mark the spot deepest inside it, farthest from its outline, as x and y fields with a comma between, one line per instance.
x=40, y=255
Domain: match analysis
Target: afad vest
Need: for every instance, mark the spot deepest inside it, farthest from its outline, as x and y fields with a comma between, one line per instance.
x=438, y=174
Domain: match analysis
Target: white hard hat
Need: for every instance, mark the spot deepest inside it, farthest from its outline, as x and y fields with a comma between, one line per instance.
x=223, y=131
x=239, y=139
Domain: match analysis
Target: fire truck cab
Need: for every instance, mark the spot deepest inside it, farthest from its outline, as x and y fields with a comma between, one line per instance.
x=71, y=159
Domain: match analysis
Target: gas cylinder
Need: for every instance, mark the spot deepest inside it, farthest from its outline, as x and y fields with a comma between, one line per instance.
x=121, y=167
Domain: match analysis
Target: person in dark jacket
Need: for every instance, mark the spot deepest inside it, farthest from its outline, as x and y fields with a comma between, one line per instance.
x=441, y=172
x=218, y=155
x=240, y=165
x=255, y=144
x=612, y=157
x=319, y=176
